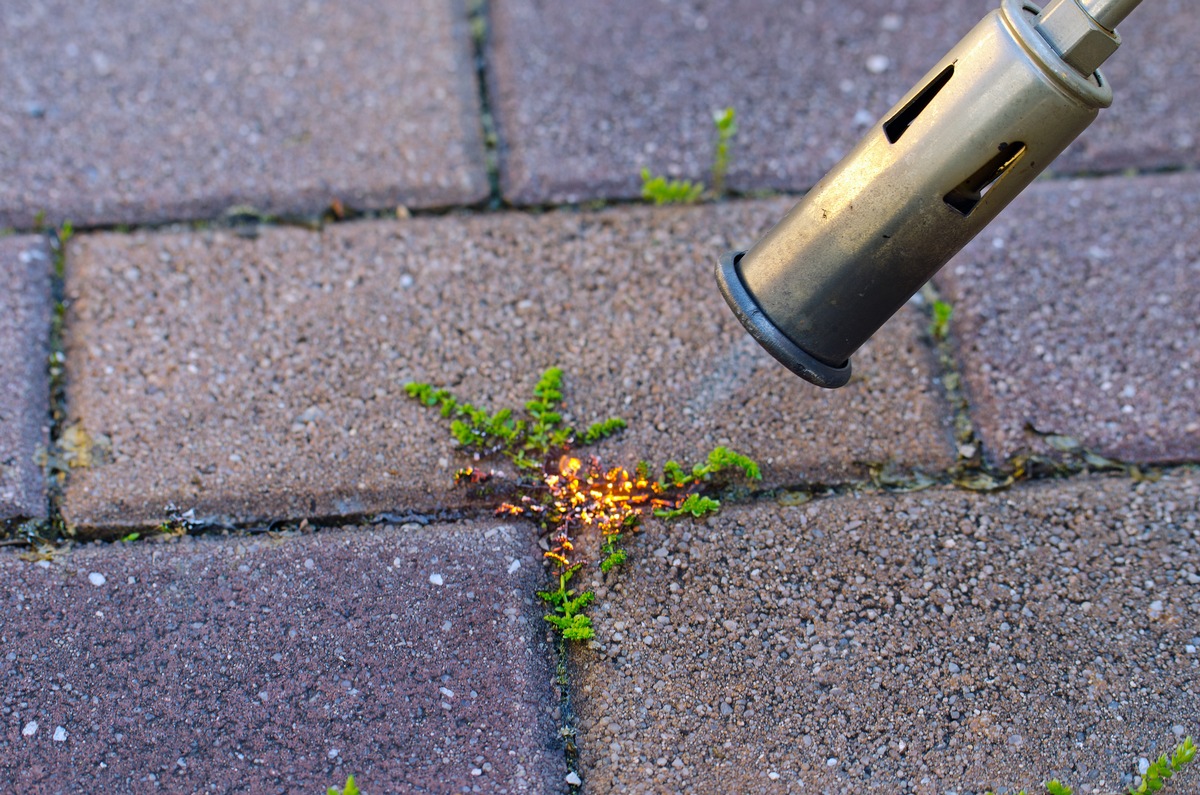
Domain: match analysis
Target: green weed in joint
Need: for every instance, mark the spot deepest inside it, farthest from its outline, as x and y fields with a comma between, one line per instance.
x=939, y=328
x=1163, y=768
x=1154, y=779
x=661, y=190
x=694, y=505
x=566, y=495
x=350, y=789
x=726, y=123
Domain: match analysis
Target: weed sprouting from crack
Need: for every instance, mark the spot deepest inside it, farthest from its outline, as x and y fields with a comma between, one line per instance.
x=971, y=470
x=350, y=789
x=1163, y=768
x=1152, y=780
x=565, y=496
x=661, y=190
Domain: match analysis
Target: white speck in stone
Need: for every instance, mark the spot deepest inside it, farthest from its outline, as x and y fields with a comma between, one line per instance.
x=773, y=776
x=831, y=761
x=60, y=734
x=396, y=563
x=476, y=772
x=30, y=728
x=1190, y=649
x=1143, y=766
x=96, y=578
x=447, y=692
x=512, y=567
x=333, y=752
x=891, y=22
x=309, y=563
x=573, y=779
x=863, y=118
x=436, y=579
x=262, y=694
x=878, y=64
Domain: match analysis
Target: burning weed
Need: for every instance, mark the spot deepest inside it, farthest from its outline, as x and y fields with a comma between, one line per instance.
x=565, y=496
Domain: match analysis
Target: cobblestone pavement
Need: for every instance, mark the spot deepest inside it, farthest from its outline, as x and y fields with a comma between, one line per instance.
x=263, y=577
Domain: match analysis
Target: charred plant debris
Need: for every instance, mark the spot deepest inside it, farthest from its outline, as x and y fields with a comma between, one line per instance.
x=566, y=496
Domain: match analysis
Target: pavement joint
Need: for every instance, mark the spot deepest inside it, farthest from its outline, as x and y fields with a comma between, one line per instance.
x=236, y=216
x=969, y=445
x=568, y=729
x=477, y=13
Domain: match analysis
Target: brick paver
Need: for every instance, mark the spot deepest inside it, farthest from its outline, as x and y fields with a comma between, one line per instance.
x=412, y=658
x=1077, y=312
x=25, y=269
x=263, y=378
x=118, y=112
x=585, y=96
x=927, y=643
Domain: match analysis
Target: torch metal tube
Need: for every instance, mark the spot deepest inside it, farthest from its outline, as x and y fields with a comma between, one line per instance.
x=1109, y=13
x=977, y=129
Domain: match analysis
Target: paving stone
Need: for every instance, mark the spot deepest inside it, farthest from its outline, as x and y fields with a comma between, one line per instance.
x=1076, y=312
x=936, y=642
x=117, y=112
x=585, y=97
x=412, y=658
x=25, y=268
x=264, y=378
x=1152, y=122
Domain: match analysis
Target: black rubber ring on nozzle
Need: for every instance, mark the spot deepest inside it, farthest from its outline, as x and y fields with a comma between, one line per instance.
x=789, y=354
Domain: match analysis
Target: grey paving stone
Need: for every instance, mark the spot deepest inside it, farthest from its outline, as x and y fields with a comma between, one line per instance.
x=927, y=643
x=413, y=659
x=1152, y=122
x=264, y=378
x=117, y=112
x=585, y=96
x=1077, y=312
x=25, y=268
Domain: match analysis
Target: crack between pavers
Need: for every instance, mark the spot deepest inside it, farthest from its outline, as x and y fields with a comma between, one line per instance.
x=884, y=478
x=969, y=448
x=52, y=528
x=246, y=220
x=568, y=730
x=479, y=20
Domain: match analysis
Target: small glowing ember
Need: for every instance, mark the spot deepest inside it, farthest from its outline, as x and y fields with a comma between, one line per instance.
x=471, y=475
